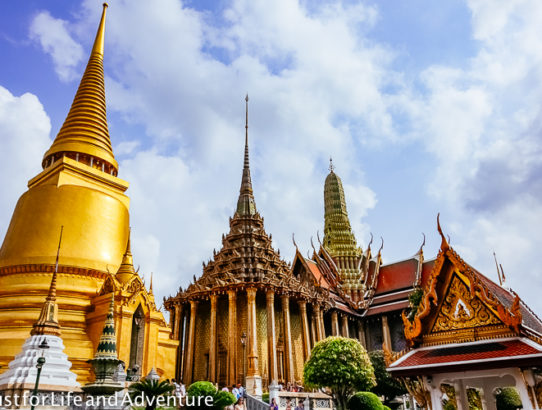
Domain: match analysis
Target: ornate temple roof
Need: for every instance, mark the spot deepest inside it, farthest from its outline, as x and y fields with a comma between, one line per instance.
x=85, y=129
x=247, y=256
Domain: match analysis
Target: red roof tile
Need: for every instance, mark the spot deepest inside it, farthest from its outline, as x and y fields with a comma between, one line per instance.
x=317, y=274
x=449, y=356
x=399, y=275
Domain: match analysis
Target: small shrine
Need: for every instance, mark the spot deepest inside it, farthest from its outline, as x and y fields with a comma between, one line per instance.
x=468, y=335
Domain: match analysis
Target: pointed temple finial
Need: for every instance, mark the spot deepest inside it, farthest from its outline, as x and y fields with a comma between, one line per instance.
x=126, y=269
x=100, y=35
x=246, y=204
x=47, y=323
x=444, y=245
x=498, y=270
x=150, y=287
x=107, y=346
x=84, y=136
x=331, y=167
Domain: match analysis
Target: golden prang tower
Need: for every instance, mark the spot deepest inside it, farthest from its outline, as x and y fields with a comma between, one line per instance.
x=79, y=190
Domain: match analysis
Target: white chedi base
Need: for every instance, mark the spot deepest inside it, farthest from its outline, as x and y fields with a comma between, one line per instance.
x=55, y=374
x=254, y=386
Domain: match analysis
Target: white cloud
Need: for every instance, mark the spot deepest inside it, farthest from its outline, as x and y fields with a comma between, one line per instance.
x=54, y=38
x=24, y=137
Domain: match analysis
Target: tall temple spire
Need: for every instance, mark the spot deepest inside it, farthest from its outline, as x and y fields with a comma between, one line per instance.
x=338, y=235
x=47, y=323
x=245, y=204
x=84, y=135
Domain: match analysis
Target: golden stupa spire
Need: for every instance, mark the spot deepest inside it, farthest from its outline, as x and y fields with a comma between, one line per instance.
x=84, y=136
x=246, y=204
x=47, y=323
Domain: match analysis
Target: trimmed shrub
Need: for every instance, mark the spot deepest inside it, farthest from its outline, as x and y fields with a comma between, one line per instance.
x=508, y=399
x=365, y=400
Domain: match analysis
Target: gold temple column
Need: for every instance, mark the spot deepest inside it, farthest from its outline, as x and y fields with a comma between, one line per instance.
x=344, y=329
x=290, y=377
x=386, y=336
x=319, y=327
x=305, y=323
x=232, y=336
x=177, y=321
x=334, y=324
x=313, y=331
x=271, y=337
x=212, y=342
x=322, y=324
x=190, y=344
x=252, y=334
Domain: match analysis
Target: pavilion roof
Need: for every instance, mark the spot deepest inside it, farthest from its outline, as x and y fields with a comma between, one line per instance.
x=480, y=355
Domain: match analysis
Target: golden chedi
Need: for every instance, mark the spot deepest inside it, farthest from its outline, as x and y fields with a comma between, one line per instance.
x=79, y=190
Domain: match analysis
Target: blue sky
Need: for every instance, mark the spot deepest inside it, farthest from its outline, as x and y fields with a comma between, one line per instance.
x=426, y=107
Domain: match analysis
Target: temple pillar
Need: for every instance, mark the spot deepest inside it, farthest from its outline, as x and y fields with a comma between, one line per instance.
x=305, y=324
x=386, y=336
x=361, y=334
x=334, y=324
x=319, y=327
x=232, y=336
x=271, y=338
x=344, y=329
x=190, y=344
x=212, y=341
x=322, y=327
x=177, y=321
x=290, y=377
x=254, y=380
x=313, y=331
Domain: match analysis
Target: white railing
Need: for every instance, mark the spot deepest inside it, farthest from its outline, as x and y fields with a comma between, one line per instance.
x=254, y=403
x=312, y=401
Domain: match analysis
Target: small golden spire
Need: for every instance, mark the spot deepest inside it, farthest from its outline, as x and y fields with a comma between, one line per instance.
x=331, y=167
x=47, y=323
x=126, y=269
x=85, y=134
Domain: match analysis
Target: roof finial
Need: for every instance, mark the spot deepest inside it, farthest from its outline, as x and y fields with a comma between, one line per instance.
x=498, y=270
x=246, y=163
x=444, y=244
x=331, y=167
x=246, y=204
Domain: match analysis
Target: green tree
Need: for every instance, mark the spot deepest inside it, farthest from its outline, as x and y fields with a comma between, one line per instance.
x=386, y=385
x=203, y=389
x=340, y=364
x=151, y=390
x=365, y=400
x=508, y=399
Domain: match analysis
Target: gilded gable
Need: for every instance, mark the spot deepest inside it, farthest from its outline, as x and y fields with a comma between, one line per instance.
x=460, y=310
